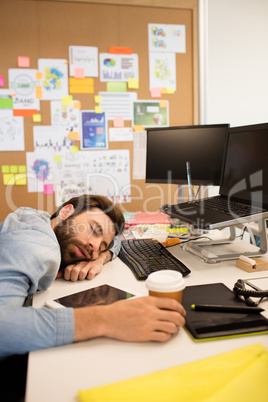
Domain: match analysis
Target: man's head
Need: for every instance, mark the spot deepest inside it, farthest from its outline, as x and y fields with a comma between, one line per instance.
x=85, y=226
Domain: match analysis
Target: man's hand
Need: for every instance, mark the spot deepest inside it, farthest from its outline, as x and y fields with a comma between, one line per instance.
x=84, y=270
x=138, y=320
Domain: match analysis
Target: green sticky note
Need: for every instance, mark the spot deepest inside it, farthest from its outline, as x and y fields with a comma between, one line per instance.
x=13, y=169
x=57, y=158
x=116, y=86
x=6, y=103
x=22, y=168
x=5, y=169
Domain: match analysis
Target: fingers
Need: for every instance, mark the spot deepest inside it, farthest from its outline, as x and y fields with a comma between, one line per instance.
x=81, y=271
x=168, y=304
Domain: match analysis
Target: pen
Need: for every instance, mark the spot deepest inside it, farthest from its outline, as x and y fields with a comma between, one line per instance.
x=226, y=309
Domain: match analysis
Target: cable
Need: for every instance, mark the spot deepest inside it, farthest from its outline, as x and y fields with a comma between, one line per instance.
x=240, y=290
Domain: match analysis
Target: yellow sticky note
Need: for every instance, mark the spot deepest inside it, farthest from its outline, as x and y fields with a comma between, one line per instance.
x=5, y=169
x=133, y=83
x=57, y=158
x=37, y=118
x=163, y=90
x=8, y=179
x=77, y=105
x=138, y=127
x=38, y=92
x=22, y=168
x=98, y=109
x=74, y=149
x=77, y=89
x=13, y=169
x=38, y=75
x=74, y=135
x=170, y=90
x=20, y=179
x=67, y=100
x=97, y=98
x=163, y=104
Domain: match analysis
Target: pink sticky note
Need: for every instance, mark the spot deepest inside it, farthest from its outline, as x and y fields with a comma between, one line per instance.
x=1, y=81
x=118, y=122
x=156, y=92
x=79, y=73
x=23, y=61
x=48, y=189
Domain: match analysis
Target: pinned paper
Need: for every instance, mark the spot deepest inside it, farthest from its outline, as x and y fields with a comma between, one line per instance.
x=118, y=122
x=1, y=81
x=97, y=98
x=37, y=118
x=48, y=189
x=74, y=149
x=38, y=75
x=24, y=112
x=138, y=127
x=67, y=100
x=156, y=92
x=163, y=104
x=81, y=85
x=79, y=73
x=23, y=61
x=73, y=135
x=164, y=91
x=116, y=86
x=98, y=109
x=38, y=92
x=6, y=103
x=22, y=168
x=133, y=83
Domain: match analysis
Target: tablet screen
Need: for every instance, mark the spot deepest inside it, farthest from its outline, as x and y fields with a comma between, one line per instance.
x=104, y=294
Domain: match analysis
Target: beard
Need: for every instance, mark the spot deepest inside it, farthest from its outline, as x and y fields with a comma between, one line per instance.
x=65, y=233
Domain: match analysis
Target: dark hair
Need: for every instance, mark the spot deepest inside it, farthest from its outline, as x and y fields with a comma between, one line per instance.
x=86, y=202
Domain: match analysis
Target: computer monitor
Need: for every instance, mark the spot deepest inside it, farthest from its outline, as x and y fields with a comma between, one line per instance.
x=169, y=148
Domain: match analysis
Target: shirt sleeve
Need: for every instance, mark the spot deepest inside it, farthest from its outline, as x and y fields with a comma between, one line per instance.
x=116, y=247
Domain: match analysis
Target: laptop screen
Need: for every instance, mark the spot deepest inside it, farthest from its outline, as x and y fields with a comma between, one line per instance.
x=245, y=173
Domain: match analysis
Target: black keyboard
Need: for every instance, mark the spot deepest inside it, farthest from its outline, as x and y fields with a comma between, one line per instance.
x=144, y=256
x=227, y=207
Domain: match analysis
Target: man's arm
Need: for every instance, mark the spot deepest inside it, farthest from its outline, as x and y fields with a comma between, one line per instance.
x=137, y=320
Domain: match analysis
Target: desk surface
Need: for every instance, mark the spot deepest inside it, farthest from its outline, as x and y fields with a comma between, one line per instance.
x=57, y=374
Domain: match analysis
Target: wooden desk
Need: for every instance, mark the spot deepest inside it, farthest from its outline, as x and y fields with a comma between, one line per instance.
x=57, y=374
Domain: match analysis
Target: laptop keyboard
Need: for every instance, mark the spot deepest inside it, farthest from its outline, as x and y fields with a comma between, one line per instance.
x=227, y=207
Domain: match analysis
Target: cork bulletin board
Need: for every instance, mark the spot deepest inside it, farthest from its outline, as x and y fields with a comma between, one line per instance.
x=46, y=29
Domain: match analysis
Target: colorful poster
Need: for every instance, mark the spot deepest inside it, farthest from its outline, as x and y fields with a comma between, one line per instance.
x=83, y=58
x=67, y=117
x=149, y=113
x=54, y=81
x=22, y=82
x=167, y=38
x=39, y=170
x=162, y=67
x=93, y=130
x=118, y=67
x=11, y=131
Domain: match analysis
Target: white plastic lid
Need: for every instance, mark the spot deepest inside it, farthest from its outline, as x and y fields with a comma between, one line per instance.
x=165, y=281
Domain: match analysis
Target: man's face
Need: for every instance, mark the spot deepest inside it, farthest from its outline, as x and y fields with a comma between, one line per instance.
x=84, y=236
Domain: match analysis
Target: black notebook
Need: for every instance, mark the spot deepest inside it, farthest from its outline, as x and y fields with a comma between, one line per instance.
x=204, y=325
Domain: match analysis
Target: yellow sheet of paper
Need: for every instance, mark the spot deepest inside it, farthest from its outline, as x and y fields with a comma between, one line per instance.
x=97, y=98
x=8, y=179
x=74, y=149
x=5, y=169
x=74, y=135
x=133, y=83
x=38, y=92
x=67, y=100
x=20, y=179
x=138, y=127
x=57, y=158
x=22, y=169
x=37, y=118
x=239, y=375
x=98, y=109
x=77, y=89
x=13, y=169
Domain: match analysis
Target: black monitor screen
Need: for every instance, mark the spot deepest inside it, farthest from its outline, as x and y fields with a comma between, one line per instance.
x=168, y=150
x=246, y=168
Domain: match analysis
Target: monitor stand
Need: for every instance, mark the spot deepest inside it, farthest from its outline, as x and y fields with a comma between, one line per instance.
x=204, y=249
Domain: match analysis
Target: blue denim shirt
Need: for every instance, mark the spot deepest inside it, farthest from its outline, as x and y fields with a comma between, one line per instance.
x=30, y=260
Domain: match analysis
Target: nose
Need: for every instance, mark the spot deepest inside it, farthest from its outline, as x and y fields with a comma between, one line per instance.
x=94, y=243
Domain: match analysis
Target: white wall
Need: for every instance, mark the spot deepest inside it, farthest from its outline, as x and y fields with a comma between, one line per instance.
x=233, y=61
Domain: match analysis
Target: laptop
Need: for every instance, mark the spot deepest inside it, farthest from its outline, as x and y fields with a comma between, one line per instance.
x=243, y=194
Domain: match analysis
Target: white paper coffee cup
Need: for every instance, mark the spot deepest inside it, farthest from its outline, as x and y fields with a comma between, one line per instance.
x=166, y=283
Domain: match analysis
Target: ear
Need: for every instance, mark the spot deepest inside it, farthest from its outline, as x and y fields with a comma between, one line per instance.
x=66, y=211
